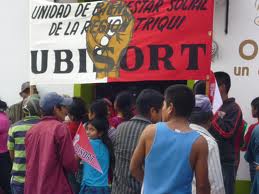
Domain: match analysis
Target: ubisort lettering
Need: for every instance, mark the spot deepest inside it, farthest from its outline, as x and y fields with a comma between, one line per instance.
x=83, y=154
x=64, y=58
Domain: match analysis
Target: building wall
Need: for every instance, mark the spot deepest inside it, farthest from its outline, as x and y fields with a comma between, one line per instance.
x=242, y=27
x=14, y=49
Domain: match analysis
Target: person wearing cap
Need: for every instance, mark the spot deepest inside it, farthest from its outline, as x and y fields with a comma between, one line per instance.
x=16, y=145
x=5, y=162
x=200, y=120
x=15, y=112
x=49, y=149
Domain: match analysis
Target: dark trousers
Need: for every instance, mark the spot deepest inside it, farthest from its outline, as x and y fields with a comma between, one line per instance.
x=17, y=188
x=252, y=167
x=229, y=172
x=5, y=172
x=255, y=185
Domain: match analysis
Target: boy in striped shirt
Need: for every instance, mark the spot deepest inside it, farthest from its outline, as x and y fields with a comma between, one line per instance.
x=16, y=145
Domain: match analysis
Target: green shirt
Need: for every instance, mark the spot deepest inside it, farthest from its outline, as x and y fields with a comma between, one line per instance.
x=16, y=143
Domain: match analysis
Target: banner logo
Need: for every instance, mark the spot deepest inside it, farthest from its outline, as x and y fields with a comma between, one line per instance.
x=108, y=37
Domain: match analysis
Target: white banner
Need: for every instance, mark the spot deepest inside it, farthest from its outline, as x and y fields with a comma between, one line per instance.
x=58, y=43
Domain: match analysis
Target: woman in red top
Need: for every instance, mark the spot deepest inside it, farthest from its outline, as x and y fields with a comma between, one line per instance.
x=255, y=114
x=77, y=113
x=124, y=107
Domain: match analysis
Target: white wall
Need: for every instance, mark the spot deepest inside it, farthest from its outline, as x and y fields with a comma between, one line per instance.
x=14, y=49
x=241, y=27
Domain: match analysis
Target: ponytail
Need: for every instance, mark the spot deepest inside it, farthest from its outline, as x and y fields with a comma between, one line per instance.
x=107, y=141
x=102, y=125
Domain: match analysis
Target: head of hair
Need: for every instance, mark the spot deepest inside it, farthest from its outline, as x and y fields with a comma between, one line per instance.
x=200, y=117
x=148, y=99
x=78, y=109
x=3, y=106
x=99, y=108
x=182, y=99
x=199, y=87
x=223, y=79
x=102, y=126
x=255, y=105
x=124, y=104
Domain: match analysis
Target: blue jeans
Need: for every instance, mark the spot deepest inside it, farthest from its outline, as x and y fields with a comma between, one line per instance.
x=94, y=190
x=229, y=177
x=252, y=167
x=255, y=185
x=17, y=188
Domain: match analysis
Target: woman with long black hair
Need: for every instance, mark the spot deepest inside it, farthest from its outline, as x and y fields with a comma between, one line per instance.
x=93, y=181
x=123, y=105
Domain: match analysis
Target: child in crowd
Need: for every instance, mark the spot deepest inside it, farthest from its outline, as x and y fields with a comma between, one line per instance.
x=99, y=109
x=124, y=107
x=93, y=181
x=255, y=114
x=111, y=111
x=77, y=114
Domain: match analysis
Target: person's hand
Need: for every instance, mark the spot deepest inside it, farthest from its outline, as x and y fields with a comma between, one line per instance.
x=221, y=114
x=108, y=37
x=77, y=158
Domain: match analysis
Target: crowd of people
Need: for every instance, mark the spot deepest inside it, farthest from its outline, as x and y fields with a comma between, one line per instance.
x=154, y=144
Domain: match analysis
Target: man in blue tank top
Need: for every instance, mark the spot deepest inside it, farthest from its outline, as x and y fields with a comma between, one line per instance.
x=171, y=151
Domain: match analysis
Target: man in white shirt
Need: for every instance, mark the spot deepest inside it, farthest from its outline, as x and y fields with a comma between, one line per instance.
x=200, y=121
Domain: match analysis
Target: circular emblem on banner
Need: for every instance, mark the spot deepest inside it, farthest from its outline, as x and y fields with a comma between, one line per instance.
x=108, y=36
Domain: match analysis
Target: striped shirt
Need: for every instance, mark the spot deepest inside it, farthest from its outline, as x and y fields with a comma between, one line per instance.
x=126, y=140
x=214, y=166
x=16, y=143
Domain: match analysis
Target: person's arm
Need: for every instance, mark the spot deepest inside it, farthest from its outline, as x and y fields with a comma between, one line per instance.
x=141, y=151
x=199, y=162
x=11, y=113
x=11, y=153
x=247, y=137
x=225, y=124
x=252, y=146
x=65, y=149
x=10, y=144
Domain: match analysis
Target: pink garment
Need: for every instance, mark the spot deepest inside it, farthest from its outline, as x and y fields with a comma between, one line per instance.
x=49, y=157
x=4, y=127
x=115, y=121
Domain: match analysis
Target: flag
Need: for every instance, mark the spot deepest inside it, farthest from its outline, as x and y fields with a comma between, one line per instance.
x=84, y=150
x=214, y=93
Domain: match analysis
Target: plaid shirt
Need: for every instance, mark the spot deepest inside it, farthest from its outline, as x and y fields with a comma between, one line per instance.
x=15, y=112
x=125, y=143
